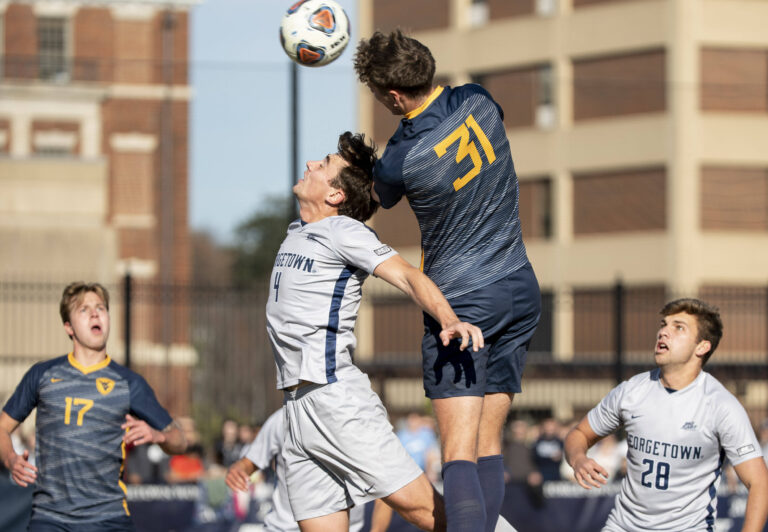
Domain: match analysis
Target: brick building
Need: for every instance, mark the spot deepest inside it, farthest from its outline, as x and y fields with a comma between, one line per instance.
x=638, y=131
x=94, y=103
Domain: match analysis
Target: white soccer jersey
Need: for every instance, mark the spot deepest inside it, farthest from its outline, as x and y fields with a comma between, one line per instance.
x=677, y=443
x=314, y=296
x=268, y=445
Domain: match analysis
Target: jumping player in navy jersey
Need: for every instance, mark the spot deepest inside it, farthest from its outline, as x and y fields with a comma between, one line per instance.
x=88, y=409
x=339, y=449
x=450, y=157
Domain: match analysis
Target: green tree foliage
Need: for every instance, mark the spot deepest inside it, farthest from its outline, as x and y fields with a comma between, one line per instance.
x=258, y=240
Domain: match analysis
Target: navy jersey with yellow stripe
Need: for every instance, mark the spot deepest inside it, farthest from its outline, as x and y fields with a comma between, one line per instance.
x=79, y=450
x=451, y=158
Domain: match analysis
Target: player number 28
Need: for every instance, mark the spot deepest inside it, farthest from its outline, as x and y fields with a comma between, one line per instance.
x=662, y=475
x=467, y=147
x=86, y=404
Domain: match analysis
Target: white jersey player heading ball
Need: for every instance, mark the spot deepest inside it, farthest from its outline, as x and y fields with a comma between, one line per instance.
x=339, y=449
x=681, y=424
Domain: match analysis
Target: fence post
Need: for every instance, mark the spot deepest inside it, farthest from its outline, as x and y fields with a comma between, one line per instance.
x=618, y=330
x=127, y=289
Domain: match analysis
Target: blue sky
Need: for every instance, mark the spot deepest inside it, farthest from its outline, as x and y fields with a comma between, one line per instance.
x=240, y=113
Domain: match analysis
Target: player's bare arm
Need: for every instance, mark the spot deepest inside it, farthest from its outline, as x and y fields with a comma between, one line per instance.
x=397, y=272
x=239, y=474
x=138, y=432
x=22, y=472
x=588, y=473
x=754, y=474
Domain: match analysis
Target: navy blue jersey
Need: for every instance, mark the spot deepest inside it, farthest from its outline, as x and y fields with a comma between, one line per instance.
x=451, y=158
x=79, y=449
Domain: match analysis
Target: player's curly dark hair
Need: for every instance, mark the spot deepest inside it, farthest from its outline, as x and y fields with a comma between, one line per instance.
x=356, y=178
x=707, y=318
x=394, y=61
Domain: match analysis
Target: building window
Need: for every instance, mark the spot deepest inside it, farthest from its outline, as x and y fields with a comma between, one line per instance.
x=744, y=310
x=525, y=94
x=595, y=315
x=734, y=199
x=619, y=201
x=582, y=3
x=619, y=85
x=398, y=327
x=411, y=16
x=478, y=12
x=56, y=139
x=52, y=48
x=501, y=9
x=734, y=80
x=536, y=208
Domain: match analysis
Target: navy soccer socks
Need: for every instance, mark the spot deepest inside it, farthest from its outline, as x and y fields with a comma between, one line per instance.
x=490, y=469
x=464, y=504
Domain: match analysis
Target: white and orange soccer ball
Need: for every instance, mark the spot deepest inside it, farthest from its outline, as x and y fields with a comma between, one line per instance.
x=314, y=32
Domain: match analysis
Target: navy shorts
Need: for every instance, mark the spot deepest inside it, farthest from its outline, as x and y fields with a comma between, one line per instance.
x=507, y=312
x=117, y=524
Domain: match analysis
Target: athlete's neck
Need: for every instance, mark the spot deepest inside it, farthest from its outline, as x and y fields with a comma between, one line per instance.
x=88, y=357
x=310, y=213
x=679, y=377
x=409, y=104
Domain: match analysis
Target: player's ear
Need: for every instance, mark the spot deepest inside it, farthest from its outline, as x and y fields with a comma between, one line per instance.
x=702, y=348
x=68, y=329
x=398, y=98
x=335, y=197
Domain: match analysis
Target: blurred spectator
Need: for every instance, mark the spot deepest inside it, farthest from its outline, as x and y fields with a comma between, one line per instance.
x=419, y=438
x=762, y=435
x=227, y=447
x=188, y=467
x=548, y=450
x=245, y=435
x=145, y=464
x=519, y=465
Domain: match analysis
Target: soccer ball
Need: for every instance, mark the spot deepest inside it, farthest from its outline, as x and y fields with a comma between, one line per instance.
x=314, y=32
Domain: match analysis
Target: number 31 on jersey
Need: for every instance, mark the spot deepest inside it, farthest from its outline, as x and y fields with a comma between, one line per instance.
x=467, y=147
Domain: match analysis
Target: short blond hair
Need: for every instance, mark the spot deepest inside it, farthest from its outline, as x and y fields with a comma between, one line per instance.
x=75, y=292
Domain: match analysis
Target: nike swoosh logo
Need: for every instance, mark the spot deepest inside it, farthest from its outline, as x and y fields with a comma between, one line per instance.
x=636, y=416
x=56, y=380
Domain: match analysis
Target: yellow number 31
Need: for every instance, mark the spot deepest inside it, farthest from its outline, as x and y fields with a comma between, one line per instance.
x=467, y=147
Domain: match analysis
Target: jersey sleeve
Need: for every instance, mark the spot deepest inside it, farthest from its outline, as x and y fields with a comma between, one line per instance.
x=735, y=432
x=358, y=245
x=144, y=404
x=268, y=442
x=459, y=94
x=24, y=398
x=388, y=177
x=606, y=416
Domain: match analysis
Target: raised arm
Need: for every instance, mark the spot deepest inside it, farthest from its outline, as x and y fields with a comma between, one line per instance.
x=425, y=293
x=22, y=472
x=754, y=474
x=587, y=472
x=171, y=439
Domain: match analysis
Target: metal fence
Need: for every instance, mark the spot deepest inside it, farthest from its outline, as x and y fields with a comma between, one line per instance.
x=206, y=353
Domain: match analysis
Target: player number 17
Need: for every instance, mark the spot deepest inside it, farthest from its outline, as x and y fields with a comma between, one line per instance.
x=86, y=405
x=467, y=147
